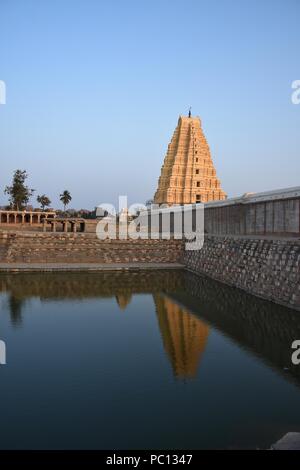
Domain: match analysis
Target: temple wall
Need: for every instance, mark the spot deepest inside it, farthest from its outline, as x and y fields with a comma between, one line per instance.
x=272, y=213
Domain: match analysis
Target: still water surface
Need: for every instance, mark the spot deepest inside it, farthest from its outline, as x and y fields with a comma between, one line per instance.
x=143, y=360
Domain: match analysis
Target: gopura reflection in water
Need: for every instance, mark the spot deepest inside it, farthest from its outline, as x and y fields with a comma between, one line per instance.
x=123, y=300
x=265, y=329
x=184, y=336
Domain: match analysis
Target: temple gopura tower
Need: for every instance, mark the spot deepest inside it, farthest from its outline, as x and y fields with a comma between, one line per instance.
x=188, y=174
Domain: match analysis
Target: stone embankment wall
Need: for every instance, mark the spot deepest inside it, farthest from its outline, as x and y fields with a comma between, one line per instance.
x=268, y=268
x=22, y=247
x=253, y=243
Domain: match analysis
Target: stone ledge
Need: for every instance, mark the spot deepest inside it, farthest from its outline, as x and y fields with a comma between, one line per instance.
x=272, y=237
x=50, y=267
x=291, y=441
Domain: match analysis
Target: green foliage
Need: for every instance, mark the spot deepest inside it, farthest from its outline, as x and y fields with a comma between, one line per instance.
x=44, y=201
x=65, y=198
x=19, y=194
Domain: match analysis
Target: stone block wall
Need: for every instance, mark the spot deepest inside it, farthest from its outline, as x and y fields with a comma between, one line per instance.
x=273, y=213
x=268, y=268
x=22, y=247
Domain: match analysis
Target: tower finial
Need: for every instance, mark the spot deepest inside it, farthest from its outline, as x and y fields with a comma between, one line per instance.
x=190, y=111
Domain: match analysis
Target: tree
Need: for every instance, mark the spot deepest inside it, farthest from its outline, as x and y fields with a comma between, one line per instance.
x=44, y=201
x=19, y=193
x=65, y=198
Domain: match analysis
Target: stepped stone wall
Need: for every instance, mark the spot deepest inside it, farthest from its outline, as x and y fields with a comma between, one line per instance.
x=29, y=247
x=266, y=267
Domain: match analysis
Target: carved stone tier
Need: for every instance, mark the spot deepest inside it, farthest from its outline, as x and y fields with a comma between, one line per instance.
x=188, y=174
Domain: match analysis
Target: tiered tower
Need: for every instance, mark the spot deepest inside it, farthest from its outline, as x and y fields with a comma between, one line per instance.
x=188, y=174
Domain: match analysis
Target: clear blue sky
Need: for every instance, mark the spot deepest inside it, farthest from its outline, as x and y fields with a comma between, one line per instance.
x=94, y=90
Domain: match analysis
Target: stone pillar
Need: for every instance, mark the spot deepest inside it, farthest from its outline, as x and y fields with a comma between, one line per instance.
x=30, y=220
x=53, y=226
x=39, y=218
x=65, y=226
x=15, y=217
x=23, y=218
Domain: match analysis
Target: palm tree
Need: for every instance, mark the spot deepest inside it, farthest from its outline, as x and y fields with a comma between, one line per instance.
x=65, y=198
x=44, y=201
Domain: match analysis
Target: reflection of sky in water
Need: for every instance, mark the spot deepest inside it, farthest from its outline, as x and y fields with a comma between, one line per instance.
x=151, y=360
